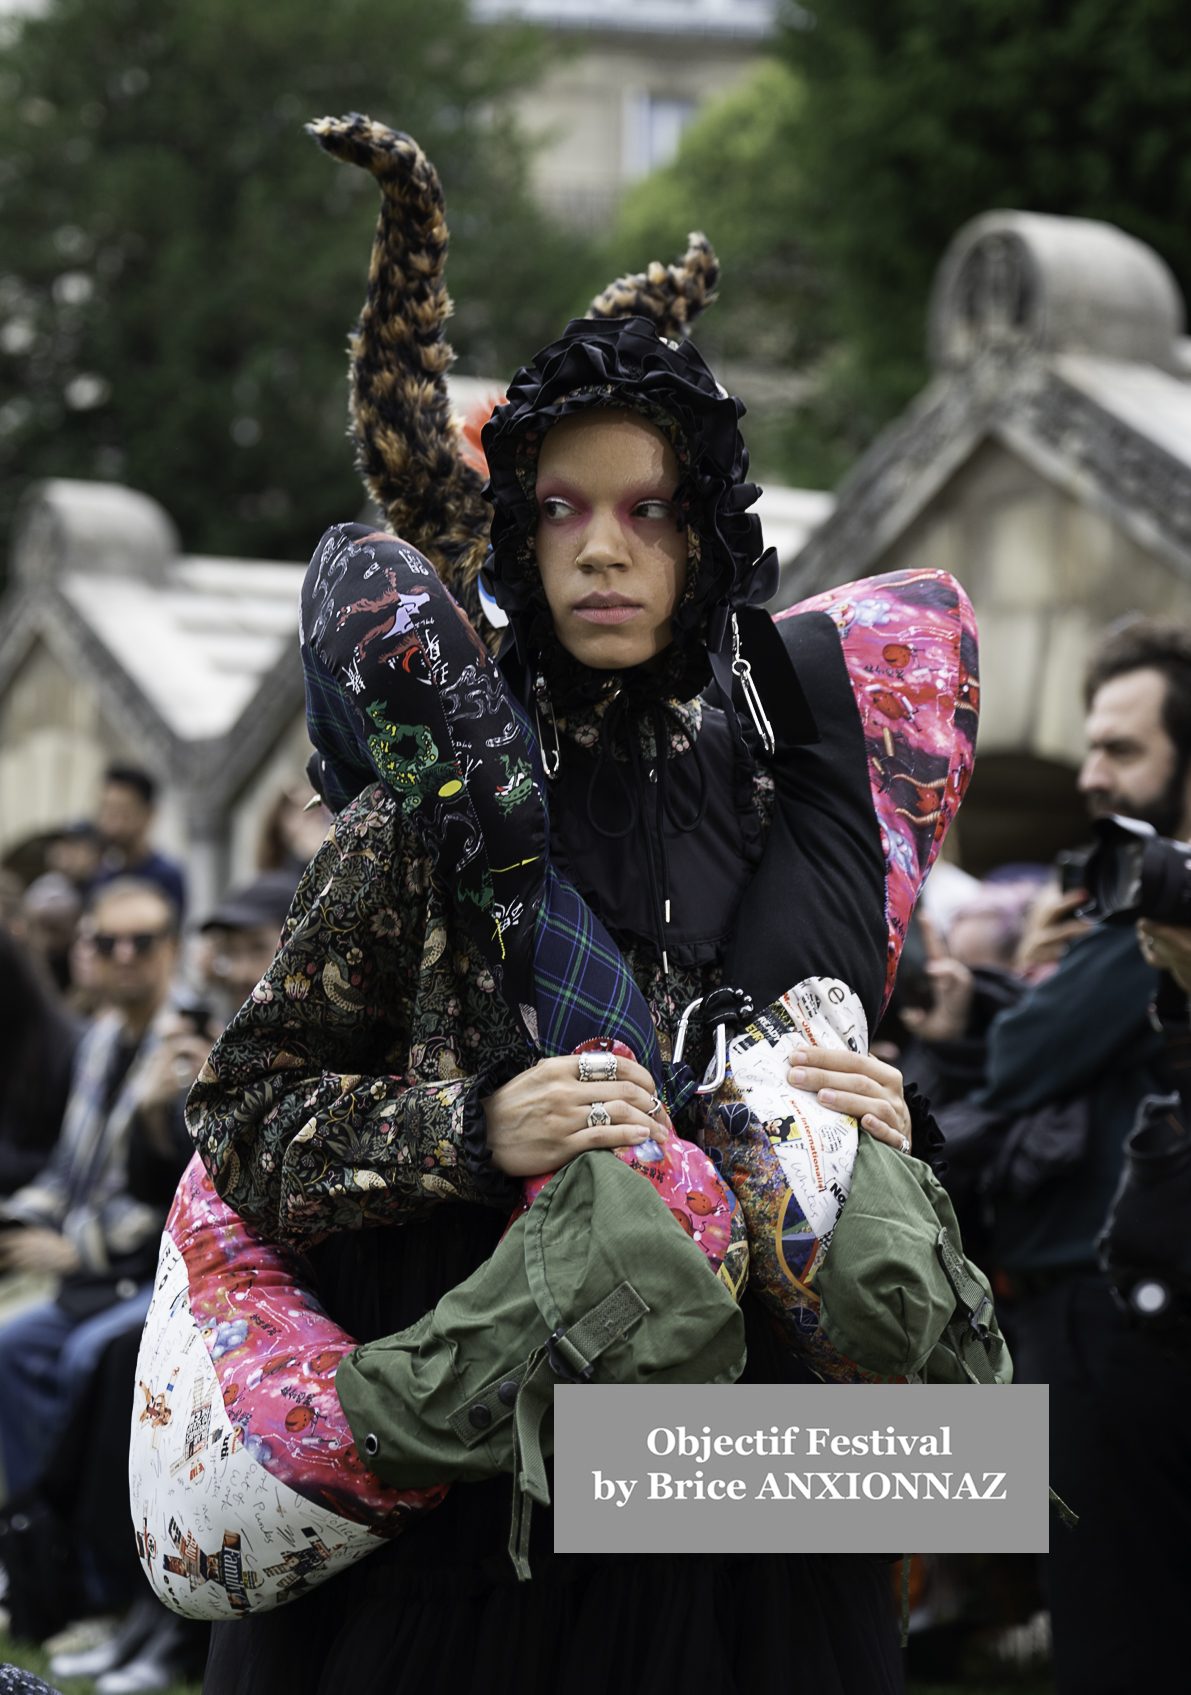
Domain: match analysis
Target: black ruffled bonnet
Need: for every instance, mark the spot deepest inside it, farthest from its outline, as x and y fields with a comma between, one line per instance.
x=624, y=363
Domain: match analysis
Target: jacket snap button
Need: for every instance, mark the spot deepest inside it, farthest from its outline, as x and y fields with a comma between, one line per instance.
x=371, y=1446
x=507, y=1393
x=480, y=1416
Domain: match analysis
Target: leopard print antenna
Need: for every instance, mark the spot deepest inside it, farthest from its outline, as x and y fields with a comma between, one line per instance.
x=406, y=438
x=672, y=296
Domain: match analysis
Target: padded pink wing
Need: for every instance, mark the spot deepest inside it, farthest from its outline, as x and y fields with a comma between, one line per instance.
x=909, y=642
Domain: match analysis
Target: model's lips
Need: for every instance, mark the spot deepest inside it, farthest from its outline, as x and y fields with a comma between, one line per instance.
x=606, y=609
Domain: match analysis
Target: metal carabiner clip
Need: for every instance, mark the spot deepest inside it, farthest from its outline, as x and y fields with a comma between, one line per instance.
x=721, y=1049
x=752, y=699
x=551, y=762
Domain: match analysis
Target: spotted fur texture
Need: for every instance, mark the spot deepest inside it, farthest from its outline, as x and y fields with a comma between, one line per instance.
x=671, y=295
x=407, y=442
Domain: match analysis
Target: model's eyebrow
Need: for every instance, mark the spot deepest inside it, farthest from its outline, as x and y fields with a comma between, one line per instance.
x=554, y=487
x=557, y=488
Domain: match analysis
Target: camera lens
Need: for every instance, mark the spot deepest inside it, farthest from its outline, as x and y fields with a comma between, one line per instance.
x=1149, y=1298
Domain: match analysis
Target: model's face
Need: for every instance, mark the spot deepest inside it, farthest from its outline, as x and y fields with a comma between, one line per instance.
x=1132, y=762
x=612, y=559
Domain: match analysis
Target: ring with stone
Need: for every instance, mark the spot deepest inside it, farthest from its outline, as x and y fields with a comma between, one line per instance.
x=597, y=1068
x=905, y=1147
x=599, y=1114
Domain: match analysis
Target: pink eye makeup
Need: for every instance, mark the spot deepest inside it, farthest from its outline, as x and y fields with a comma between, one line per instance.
x=559, y=505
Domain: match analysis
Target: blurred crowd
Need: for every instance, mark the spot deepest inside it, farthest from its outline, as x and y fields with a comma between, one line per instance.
x=1040, y=1040
x=1051, y=1050
x=109, y=1003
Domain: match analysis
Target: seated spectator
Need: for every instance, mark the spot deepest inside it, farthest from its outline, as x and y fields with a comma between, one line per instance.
x=123, y=819
x=51, y=909
x=240, y=938
x=293, y=830
x=80, y=1218
x=37, y=1043
x=75, y=853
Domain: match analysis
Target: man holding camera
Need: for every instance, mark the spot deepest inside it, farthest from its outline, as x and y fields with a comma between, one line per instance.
x=1118, y=1583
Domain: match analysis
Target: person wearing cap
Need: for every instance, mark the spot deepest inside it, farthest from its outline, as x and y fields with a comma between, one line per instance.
x=240, y=937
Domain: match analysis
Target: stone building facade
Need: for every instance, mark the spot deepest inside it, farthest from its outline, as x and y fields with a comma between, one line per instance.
x=114, y=645
x=1048, y=466
x=629, y=76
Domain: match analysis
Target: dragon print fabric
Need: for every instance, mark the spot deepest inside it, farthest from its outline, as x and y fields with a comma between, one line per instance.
x=400, y=686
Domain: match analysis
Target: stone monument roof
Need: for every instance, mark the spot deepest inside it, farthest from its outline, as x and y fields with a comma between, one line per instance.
x=1062, y=339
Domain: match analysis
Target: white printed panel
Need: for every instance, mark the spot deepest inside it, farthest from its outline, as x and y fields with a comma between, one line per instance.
x=218, y=1536
x=815, y=1146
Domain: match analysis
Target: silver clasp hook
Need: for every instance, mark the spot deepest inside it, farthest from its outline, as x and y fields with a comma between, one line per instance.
x=551, y=762
x=721, y=1049
x=752, y=699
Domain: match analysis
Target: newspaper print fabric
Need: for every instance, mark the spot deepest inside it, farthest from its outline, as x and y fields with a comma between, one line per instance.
x=815, y=1147
x=909, y=643
x=789, y=1159
x=245, y=1483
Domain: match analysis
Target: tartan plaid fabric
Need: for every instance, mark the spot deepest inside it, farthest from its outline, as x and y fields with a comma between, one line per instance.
x=582, y=984
x=332, y=724
x=568, y=982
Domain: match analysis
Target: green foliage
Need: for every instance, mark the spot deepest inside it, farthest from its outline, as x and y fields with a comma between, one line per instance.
x=922, y=113
x=736, y=178
x=833, y=180
x=739, y=177
x=180, y=265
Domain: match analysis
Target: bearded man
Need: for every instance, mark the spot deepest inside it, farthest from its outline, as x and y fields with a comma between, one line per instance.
x=1118, y=1583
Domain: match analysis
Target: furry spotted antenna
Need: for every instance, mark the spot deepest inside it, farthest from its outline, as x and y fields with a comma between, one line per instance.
x=407, y=442
x=672, y=296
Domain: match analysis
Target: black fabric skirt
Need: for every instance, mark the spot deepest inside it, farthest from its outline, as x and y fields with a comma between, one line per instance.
x=415, y=1619
x=440, y=1608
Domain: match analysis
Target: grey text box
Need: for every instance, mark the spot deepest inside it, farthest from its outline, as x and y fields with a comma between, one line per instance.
x=842, y=1469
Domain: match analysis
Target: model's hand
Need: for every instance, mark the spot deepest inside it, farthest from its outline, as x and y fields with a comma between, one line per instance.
x=42, y=1251
x=855, y=1083
x=1168, y=947
x=538, y=1122
x=1050, y=928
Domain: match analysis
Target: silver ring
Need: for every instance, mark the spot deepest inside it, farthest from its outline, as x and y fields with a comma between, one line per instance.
x=597, y=1068
x=654, y=1105
x=599, y=1114
x=905, y=1147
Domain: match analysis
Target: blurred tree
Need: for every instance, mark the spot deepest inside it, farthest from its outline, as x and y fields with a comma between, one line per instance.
x=832, y=182
x=772, y=334
x=179, y=264
x=919, y=114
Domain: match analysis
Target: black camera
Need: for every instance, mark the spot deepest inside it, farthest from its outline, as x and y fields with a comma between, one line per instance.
x=1133, y=872
x=1146, y=1244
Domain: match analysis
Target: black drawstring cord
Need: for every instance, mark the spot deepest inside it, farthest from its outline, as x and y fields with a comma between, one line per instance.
x=604, y=757
x=617, y=713
x=660, y=913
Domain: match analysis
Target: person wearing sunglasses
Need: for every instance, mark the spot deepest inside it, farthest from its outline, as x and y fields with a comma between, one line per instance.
x=81, y=1220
